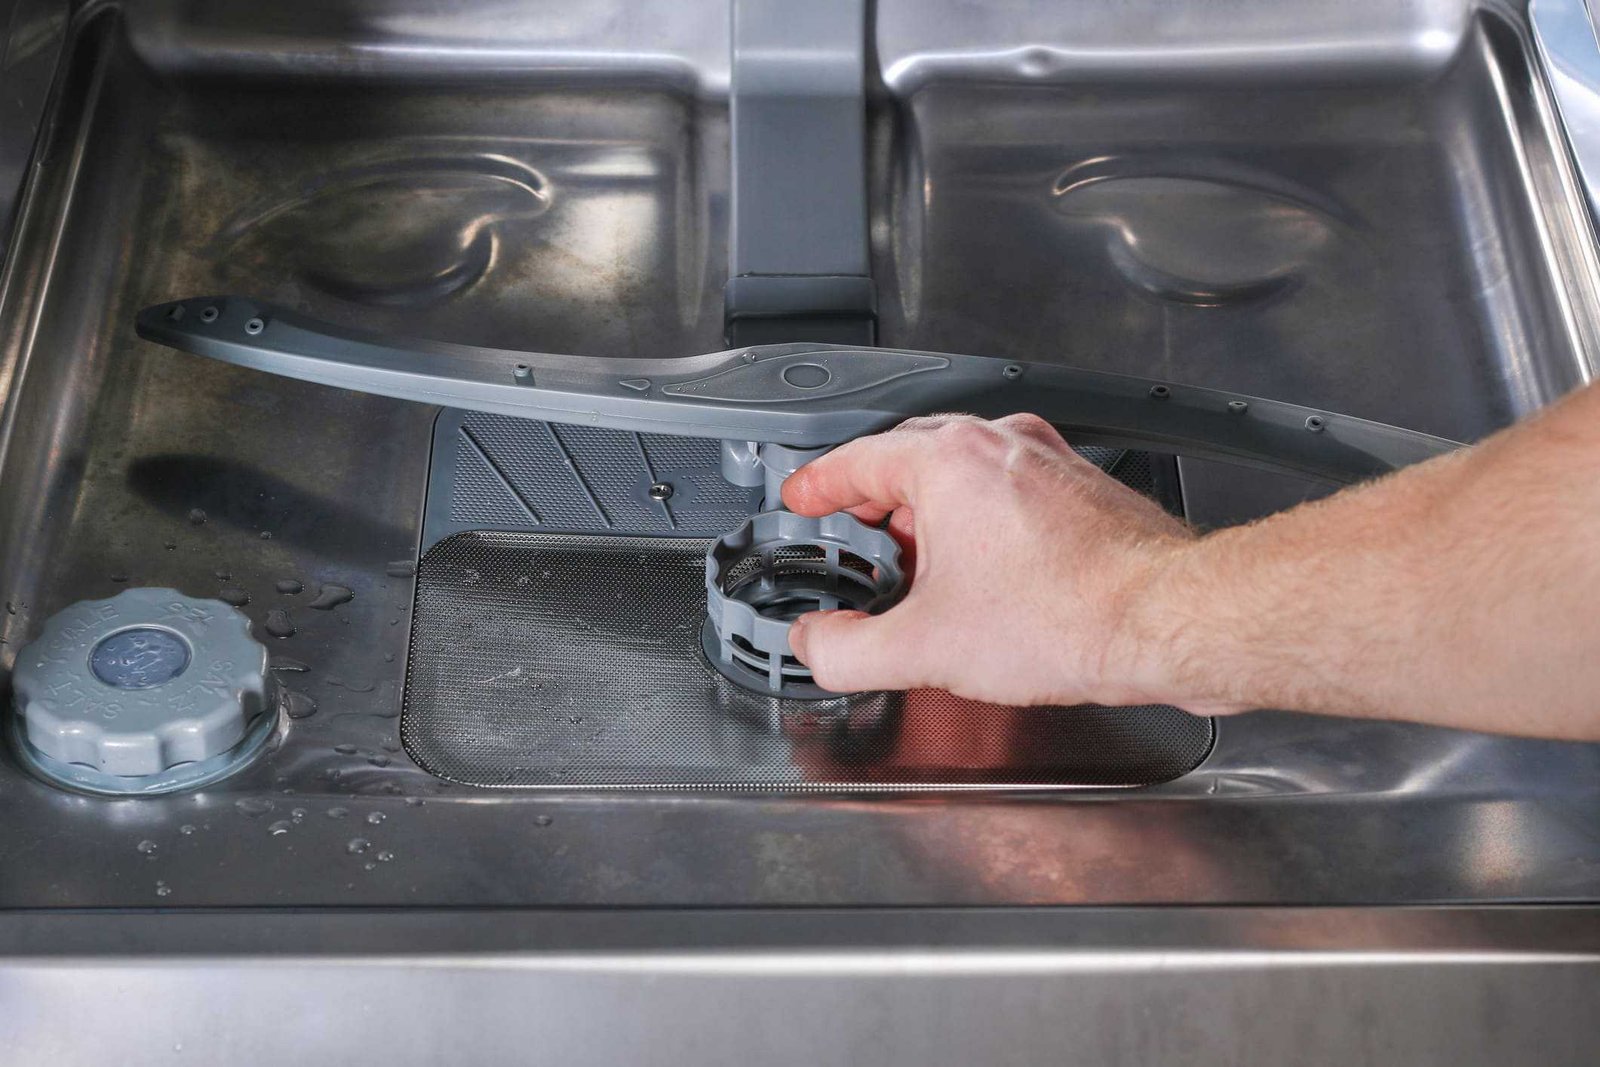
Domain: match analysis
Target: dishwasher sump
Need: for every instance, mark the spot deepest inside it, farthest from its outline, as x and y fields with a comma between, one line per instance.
x=573, y=658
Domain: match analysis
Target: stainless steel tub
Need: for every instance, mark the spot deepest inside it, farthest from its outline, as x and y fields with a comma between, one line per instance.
x=1369, y=207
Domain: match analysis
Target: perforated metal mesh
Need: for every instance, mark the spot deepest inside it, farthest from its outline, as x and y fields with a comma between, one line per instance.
x=1131, y=468
x=574, y=661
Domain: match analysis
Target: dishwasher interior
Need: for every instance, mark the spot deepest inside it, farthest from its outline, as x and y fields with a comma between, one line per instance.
x=484, y=630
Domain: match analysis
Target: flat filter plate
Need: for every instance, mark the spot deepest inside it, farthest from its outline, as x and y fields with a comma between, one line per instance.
x=574, y=661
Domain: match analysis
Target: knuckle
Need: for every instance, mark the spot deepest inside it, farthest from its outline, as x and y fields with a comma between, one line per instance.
x=1031, y=425
x=967, y=431
x=925, y=423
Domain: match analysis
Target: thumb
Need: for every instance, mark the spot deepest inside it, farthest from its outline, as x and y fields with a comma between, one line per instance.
x=850, y=651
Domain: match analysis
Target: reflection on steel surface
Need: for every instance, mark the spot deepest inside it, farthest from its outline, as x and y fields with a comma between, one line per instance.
x=401, y=231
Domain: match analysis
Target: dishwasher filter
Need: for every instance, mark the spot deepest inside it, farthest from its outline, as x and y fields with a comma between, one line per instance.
x=554, y=646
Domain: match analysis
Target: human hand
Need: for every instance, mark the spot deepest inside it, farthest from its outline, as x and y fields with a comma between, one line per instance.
x=1024, y=560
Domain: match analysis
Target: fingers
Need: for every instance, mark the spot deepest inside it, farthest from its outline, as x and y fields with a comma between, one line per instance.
x=874, y=473
x=850, y=651
x=903, y=528
x=877, y=473
x=870, y=514
x=872, y=476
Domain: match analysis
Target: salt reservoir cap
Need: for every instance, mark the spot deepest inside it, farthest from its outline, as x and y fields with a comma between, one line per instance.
x=140, y=683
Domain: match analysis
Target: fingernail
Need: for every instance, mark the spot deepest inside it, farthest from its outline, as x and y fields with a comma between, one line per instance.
x=797, y=630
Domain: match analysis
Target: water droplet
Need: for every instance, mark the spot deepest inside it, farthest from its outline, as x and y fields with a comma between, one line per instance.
x=298, y=705
x=379, y=760
x=542, y=820
x=331, y=596
x=345, y=750
x=169, y=545
x=298, y=814
x=197, y=517
x=338, y=813
x=369, y=866
x=374, y=818
x=357, y=845
x=232, y=594
x=223, y=574
x=288, y=586
x=391, y=789
x=282, y=826
x=390, y=744
x=388, y=657
x=288, y=663
x=266, y=535
x=400, y=568
x=252, y=807
x=163, y=890
x=146, y=847
x=186, y=829
x=279, y=624
x=385, y=856
x=413, y=802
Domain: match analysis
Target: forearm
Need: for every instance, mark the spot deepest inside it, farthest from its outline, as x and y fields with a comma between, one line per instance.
x=1464, y=591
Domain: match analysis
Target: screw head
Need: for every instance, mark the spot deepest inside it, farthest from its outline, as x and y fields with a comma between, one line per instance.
x=209, y=314
x=661, y=491
x=1012, y=371
x=522, y=373
x=1238, y=407
x=254, y=326
x=1315, y=423
x=1159, y=392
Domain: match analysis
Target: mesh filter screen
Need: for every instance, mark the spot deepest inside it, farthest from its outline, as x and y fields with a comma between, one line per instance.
x=542, y=660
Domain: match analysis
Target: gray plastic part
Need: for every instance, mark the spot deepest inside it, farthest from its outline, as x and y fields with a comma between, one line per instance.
x=798, y=241
x=741, y=463
x=752, y=394
x=493, y=472
x=134, y=686
x=753, y=295
x=778, y=563
x=777, y=463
